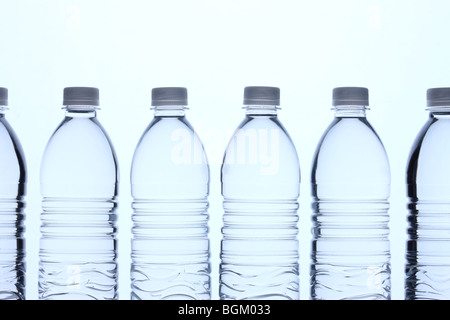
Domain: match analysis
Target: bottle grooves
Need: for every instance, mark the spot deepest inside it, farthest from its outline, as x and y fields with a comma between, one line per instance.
x=78, y=281
x=339, y=267
x=278, y=282
x=170, y=281
x=78, y=249
x=170, y=250
x=428, y=262
x=170, y=220
x=259, y=249
x=176, y=219
x=12, y=256
x=429, y=220
x=258, y=205
x=260, y=219
x=65, y=218
x=347, y=220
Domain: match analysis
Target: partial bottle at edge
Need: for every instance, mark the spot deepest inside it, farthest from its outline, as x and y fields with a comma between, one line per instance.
x=79, y=180
x=260, y=186
x=350, y=187
x=13, y=178
x=428, y=190
x=170, y=186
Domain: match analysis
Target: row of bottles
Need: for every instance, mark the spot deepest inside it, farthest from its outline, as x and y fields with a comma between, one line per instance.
x=350, y=180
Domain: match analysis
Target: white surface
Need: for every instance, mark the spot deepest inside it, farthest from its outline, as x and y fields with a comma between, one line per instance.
x=397, y=49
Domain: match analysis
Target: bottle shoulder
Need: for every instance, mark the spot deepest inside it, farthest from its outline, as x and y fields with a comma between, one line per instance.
x=351, y=137
x=78, y=148
x=78, y=134
x=263, y=130
x=263, y=123
x=435, y=133
x=262, y=159
x=168, y=151
x=9, y=139
x=350, y=150
x=429, y=158
x=166, y=128
x=12, y=157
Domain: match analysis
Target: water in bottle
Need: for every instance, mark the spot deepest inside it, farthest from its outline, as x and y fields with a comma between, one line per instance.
x=12, y=192
x=170, y=186
x=350, y=187
x=79, y=180
x=260, y=185
x=428, y=191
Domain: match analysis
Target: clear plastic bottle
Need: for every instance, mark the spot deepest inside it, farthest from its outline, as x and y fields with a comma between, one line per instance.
x=428, y=190
x=260, y=186
x=13, y=178
x=79, y=180
x=170, y=187
x=350, y=187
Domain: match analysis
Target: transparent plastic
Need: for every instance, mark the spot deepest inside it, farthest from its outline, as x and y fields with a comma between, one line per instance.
x=350, y=189
x=260, y=185
x=428, y=190
x=12, y=203
x=79, y=180
x=170, y=187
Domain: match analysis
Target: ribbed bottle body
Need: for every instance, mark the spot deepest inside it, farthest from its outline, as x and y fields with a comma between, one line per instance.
x=170, y=187
x=428, y=189
x=78, y=246
x=12, y=215
x=350, y=188
x=260, y=186
x=78, y=249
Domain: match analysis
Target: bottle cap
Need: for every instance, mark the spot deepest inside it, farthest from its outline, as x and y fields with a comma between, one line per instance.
x=350, y=96
x=3, y=96
x=262, y=96
x=438, y=97
x=83, y=96
x=169, y=96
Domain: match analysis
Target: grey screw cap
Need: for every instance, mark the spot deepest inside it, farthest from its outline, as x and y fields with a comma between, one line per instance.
x=438, y=97
x=169, y=96
x=82, y=96
x=262, y=96
x=3, y=96
x=350, y=96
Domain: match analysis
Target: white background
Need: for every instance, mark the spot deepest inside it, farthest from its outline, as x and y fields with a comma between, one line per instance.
x=215, y=48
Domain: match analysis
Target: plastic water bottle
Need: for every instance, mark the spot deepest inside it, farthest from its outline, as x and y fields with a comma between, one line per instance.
x=79, y=179
x=170, y=186
x=12, y=192
x=428, y=190
x=260, y=186
x=350, y=188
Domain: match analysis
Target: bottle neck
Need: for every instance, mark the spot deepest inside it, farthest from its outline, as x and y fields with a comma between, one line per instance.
x=439, y=111
x=169, y=111
x=81, y=111
x=350, y=111
x=261, y=110
x=3, y=110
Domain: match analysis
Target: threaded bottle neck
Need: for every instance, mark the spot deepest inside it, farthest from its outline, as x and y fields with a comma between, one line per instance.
x=170, y=111
x=439, y=110
x=3, y=109
x=350, y=111
x=261, y=110
x=81, y=110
